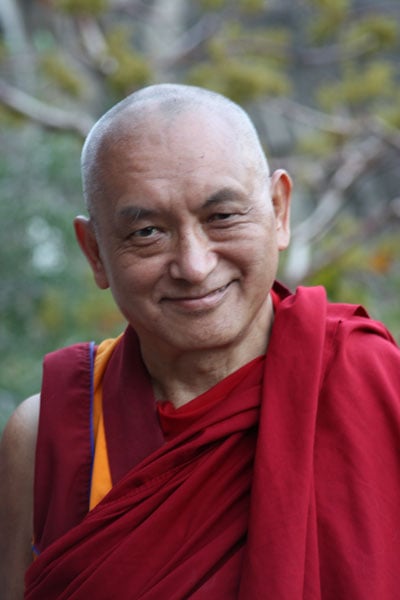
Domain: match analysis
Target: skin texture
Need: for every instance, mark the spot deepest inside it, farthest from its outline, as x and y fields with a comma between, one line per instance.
x=185, y=227
x=17, y=457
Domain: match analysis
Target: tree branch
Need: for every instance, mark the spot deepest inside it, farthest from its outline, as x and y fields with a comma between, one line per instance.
x=314, y=118
x=357, y=161
x=367, y=230
x=49, y=116
x=299, y=262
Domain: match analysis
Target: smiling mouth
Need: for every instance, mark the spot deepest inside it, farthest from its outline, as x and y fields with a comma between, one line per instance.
x=203, y=295
x=200, y=301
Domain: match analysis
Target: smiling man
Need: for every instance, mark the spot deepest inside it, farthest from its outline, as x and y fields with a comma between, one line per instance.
x=237, y=441
x=186, y=234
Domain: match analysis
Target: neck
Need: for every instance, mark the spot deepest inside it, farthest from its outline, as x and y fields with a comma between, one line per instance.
x=182, y=376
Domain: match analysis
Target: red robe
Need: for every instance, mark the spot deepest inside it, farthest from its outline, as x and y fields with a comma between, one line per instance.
x=289, y=488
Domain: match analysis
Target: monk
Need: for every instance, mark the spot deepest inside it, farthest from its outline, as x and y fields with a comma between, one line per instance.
x=238, y=440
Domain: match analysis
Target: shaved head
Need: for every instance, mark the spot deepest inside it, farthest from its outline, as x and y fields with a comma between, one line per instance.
x=150, y=111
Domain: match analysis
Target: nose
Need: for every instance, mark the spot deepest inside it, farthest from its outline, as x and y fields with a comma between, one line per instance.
x=194, y=259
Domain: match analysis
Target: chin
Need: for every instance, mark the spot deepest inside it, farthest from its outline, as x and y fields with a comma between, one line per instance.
x=203, y=341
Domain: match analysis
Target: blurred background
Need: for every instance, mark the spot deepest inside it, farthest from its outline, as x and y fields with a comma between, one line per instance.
x=321, y=79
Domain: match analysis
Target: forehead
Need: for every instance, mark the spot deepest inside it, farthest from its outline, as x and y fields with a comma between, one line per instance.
x=196, y=135
x=197, y=151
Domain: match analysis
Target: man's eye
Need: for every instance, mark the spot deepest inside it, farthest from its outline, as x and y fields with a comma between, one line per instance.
x=220, y=216
x=145, y=232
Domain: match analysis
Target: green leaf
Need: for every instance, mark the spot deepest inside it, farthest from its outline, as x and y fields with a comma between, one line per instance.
x=82, y=7
x=129, y=69
x=56, y=68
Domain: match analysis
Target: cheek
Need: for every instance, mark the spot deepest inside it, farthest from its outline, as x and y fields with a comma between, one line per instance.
x=135, y=277
x=261, y=247
x=263, y=259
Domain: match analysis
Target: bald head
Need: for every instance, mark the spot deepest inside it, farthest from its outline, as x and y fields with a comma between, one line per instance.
x=154, y=109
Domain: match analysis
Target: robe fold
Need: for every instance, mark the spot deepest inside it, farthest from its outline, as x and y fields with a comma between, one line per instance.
x=287, y=488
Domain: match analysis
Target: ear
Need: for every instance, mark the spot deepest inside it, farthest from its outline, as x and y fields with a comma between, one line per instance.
x=281, y=192
x=87, y=240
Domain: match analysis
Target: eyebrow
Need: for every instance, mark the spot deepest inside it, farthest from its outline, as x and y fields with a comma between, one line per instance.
x=225, y=194
x=135, y=212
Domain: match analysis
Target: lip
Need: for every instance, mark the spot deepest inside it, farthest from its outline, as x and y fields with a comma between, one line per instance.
x=199, y=302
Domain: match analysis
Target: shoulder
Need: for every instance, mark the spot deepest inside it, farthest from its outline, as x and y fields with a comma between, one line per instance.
x=19, y=438
x=359, y=353
x=347, y=330
x=361, y=384
x=24, y=420
x=17, y=464
x=361, y=343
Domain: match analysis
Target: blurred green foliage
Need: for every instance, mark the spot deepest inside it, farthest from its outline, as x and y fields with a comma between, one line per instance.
x=129, y=69
x=328, y=17
x=47, y=296
x=82, y=7
x=240, y=80
x=359, y=87
x=55, y=68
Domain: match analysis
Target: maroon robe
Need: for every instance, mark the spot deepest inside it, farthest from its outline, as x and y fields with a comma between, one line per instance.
x=288, y=488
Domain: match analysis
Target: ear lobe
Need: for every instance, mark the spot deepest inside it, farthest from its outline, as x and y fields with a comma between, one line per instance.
x=87, y=240
x=281, y=192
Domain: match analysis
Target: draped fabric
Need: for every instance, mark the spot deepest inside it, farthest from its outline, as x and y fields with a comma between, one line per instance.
x=289, y=488
x=64, y=449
